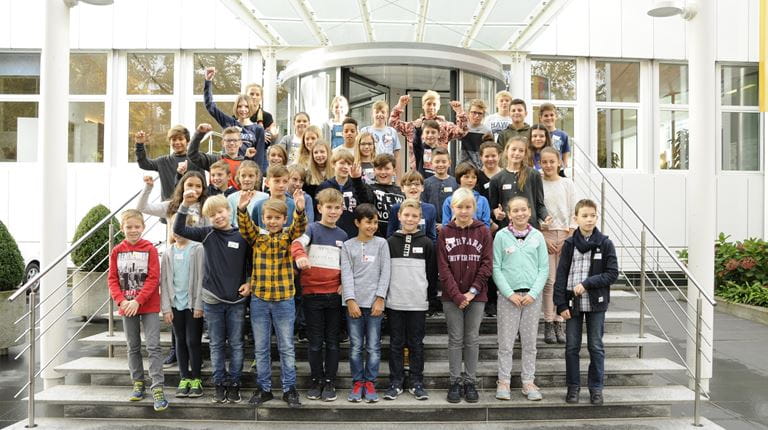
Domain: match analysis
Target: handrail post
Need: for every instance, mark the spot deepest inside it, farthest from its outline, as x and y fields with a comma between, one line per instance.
x=602, y=206
x=111, y=317
x=697, y=376
x=31, y=364
x=643, y=250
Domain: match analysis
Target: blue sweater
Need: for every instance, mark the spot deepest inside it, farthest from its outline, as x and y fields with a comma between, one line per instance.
x=483, y=212
x=437, y=190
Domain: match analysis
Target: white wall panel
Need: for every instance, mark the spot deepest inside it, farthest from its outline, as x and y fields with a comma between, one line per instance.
x=604, y=28
x=573, y=29
x=25, y=208
x=755, y=211
x=229, y=32
x=732, y=30
x=669, y=214
x=5, y=23
x=164, y=24
x=546, y=42
x=636, y=26
x=732, y=202
x=74, y=28
x=753, y=30
x=94, y=26
x=130, y=24
x=5, y=198
x=26, y=24
x=669, y=41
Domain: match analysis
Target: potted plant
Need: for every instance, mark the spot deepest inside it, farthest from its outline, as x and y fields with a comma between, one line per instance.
x=11, y=274
x=92, y=270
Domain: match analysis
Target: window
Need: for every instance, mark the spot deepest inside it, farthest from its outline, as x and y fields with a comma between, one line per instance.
x=150, y=89
x=150, y=73
x=87, y=89
x=565, y=118
x=617, y=82
x=740, y=118
x=19, y=93
x=155, y=119
x=617, y=96
x=673, y=116
x=554, y=81
x=19, y=73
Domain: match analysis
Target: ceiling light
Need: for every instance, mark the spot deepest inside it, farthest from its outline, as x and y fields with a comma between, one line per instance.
x=667, y=8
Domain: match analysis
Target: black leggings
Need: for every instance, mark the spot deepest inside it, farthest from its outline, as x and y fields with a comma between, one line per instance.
x=189, y=332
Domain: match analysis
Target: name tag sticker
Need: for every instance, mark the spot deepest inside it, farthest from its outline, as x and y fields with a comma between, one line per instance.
x=487, y=185
x=339, y=243
x=600, y=299
x=233, y=245
x=448, y=189
x=369, y=258
x=422, y=221
x=598, y=256
x=339, y=134
x=418, y=250
x=179, y=256
x=510, y=250
x=347, y=193
x=506, y=187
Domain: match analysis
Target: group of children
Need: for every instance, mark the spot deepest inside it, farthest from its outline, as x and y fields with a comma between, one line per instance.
x=327, y=243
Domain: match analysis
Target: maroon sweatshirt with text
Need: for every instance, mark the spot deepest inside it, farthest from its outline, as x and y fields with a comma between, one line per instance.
x=464, y=260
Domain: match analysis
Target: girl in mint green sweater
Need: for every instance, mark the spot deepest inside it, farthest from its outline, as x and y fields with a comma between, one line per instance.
x=520, y=269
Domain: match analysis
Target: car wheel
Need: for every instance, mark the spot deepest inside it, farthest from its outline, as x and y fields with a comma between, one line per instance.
x=31, y=271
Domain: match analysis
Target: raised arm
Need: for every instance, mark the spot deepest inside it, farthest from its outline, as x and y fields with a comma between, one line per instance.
x=140, y=138
x=223, y=119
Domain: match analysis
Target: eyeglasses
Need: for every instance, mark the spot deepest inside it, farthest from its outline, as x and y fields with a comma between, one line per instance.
x=411, y=184
x=366, y=144
x=232, y=140
x=473, y=112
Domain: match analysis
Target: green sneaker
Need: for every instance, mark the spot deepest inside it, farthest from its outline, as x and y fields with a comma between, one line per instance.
x=196, y=388
x=159, y=397
x=138, y=391
x=184, y=387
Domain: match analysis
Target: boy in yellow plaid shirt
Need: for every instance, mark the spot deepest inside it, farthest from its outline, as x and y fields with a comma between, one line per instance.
x=272, y=286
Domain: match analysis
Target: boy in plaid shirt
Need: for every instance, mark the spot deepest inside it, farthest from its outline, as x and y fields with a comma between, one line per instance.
x=273, y=290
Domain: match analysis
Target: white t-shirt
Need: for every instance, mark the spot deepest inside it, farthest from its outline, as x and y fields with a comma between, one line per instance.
x=386, y=139
x=559, y=200
x=497, y=123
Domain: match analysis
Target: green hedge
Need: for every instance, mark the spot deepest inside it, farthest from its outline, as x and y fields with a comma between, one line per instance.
x=11, y=261
x=754, y=294
x=93, y=243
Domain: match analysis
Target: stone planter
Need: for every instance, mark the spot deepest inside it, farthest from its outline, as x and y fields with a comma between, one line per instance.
x=9, y=313
x=94, y=297
x=753, y=313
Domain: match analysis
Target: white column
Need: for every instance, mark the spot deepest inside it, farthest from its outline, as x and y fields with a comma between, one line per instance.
x=701, y=175
x=54, y=88
x=517, y=76
x=270, y=80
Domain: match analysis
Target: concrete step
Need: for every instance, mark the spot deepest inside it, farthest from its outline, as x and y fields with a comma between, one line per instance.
x=435, y=346
x=549, y=373
x=90, y=401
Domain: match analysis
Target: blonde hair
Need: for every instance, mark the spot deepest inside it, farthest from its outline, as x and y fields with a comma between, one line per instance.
x=478, y=104
x=275, y=205
x=462, y=196
x=131, y=214
x=342, y=154
x=430, y=95
x=246, y=98
x=246, y=165
x=358, y=139
x=317, y=174
x=329, y=195
x=340, y=99
x=213, y=204
x=178, y=130
x=409, y=203
x=522, y=174
x=503, y=94
x=380, y=105
x=305, y=154
x=277, y=171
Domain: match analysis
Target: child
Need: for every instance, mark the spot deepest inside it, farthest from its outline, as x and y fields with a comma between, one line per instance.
x=466, y=175
x=489, y=156
x=439, y=186
x=277, y=155
x=133, y=284
x=292, y=142
x=349, y=133
x=464, y=262
x=277, y=180
x=224, y=289
x=220, y=177
x=232, y=142
x=430, y=103
x=181, y=282
x=560, y=140
x=412, y=184
x=587, y=268
x=412, y=283
x=347, y=179
x=520, y=269
x=365, y=270
x=384, y=192
x=308, y=140
x=260, y=116
x=470, y=143
x=502, y=118
x=365, y=152
x=191, y=181
x=559, y=200
x=296, y=175
x=333, y=128
x=320, y=168
x=166, y=165
x=318, y=255
x=538, y=139
x=272, y=285
x=518, y=126
x=247, y=178
x=386, y=138
x=517, y=179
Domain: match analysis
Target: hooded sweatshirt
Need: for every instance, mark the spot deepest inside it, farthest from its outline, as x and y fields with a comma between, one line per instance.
x=134, y=274
x=384, y=197
x=413, y=276
x=354, y=193
x=464, y=260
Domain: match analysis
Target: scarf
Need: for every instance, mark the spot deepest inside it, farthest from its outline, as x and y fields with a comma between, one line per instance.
x=587, y=244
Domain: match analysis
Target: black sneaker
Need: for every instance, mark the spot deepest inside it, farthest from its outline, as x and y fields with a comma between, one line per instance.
x=392, y=392
x=573, y=395
x=470, y=393
x=301, y=337
x=220, y=396
x=233, y=394
x=315, y=390
x=490, y=310
x=170, y=360
x=455, y=392
x=419, y=392
x=596, y=397
x=343, y=337
x=329, y=391
x=292, y=398
x=260, y=397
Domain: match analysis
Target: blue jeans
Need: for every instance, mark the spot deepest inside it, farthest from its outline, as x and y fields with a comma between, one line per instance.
x=573, y=327
x=281, y=315
x=365, y=330
x=225, y=324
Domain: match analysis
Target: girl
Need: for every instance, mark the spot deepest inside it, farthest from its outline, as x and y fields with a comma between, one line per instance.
x=490, y=152
x=261, y=117
x=292, y=142
x=538, y=138
x=365, y=152
x=560, y=202
x=319, y=167
x=191, y=181
x=517, y=179
x=247, y=178
x=181, y=284
x=311, y=135
x=251, y=133
x=332, y=129
x=520, y=268
x=276, y=156
x=464, y=260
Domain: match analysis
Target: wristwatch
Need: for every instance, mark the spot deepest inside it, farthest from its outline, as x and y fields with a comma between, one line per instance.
x=474, y=291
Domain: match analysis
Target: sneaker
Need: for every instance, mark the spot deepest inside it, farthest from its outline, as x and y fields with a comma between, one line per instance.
x=356, y=394
x=550, y=336
x=531, y=391
x=160, y=403
x=502, y=391
x=233, y=394
x=573, y=395
x=370, y=392
x=260, y=397
x=329, y=391
x=455, y=392
x=596, y=397
x=419, y=392
x=560, y=331
x=220, y=396
x=138, y=391
x=253, y=365
x=195, y=388
x=184, y=386
x=292, y=398
x=315, y=390
x=392, y=392
x=490, y=310
x=343, y=337
x=470, y=393
x=170, y=360
x=301, y=337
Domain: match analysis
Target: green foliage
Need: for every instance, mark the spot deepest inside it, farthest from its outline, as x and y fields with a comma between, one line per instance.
x=94, y=243
x=11, y=261
x=755, y=294
x=741, y=262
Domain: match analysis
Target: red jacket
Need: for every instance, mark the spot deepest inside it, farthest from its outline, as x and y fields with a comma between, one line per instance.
x=134, y=274
x=464, y=260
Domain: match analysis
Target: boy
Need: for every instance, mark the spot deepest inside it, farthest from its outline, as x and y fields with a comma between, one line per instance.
x=168, y=166
x=385, y=193
x=413, y=185
x=134, y=279
x=386, y=138
x=548, y=117
x=277, y=182
x=438, y=187
x=349, y=133
x=466, y=176
x=318, y=255
x=220, y=177
x=272, y=302
x=588, y=266
x=502, y=118
x=225, y=288
x=518, y=126
x=425, y=150
x=412, y=283
x=347, y=179
x=470, y=143
x=231, y=141
x=365, y=270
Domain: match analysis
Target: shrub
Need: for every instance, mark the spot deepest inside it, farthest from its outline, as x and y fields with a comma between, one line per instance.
x=755, y=294
x=11, y=261
x=95, y=243
x=741, y=262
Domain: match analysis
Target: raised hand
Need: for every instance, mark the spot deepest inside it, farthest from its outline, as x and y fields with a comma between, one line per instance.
x=498, y=213
x=190, y=197
x=298, y=199
x=149, y=181
x=404, y=100
x=356, y=171
x=245, y=198
x=181, y=168
x=204, y=128
x=140, y=137
x=250, y=152
x=456, y=106
x=210, y=72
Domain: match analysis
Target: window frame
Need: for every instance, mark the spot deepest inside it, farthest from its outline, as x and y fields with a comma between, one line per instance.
x=721, y=109
x=106, y=98
x=658, y=108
